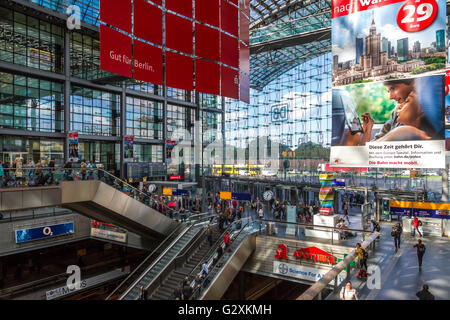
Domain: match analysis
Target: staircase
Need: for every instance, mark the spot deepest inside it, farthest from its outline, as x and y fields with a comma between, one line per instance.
x=175, y=277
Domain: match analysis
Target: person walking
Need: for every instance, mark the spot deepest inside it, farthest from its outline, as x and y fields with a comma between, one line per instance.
x=348, y=293
x=416, y=223
x=424, y=294
x=420, y=251
x=396, y=234
x=19, y=171
x=362, y=256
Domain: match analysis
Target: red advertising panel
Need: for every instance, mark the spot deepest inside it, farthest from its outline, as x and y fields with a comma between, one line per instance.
x=236, y=2
x=117, y=14
x=229, y=50
x=158, y=2
x=174, y=177
x=229, y=18
x=148, y=63
x=115, y=52
x=179, y=34
x=147, y=22
x=244, y=6
x=345, y=7
x=207, y=44
x=244, y=59
x=229, y=83
x=244, y=32
x=183, y=7
x=244, y=88
x=179, y=71
x=207, y=77
x=207, y=11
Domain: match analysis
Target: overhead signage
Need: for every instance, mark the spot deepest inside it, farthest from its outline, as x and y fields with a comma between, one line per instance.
x=303, y=272
x=109, y=235
x=420, y=209
x=174, y=177
x=175, y=192
x=86, y=283
x=235, y=196
x=131, y=44
x=44, y=232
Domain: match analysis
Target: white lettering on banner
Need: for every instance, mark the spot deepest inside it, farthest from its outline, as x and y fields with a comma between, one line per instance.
x=120, y=58
x=303, y=272
x=145, y=66
x=110, y=235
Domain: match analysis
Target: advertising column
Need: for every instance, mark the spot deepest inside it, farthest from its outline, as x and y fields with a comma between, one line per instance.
x=128, y=154
x=388, y=83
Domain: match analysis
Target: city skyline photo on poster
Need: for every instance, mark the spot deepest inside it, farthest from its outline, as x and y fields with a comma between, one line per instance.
x=387, y=40
x=390, y=124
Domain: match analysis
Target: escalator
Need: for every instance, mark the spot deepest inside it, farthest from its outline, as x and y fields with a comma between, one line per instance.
x=188, y=267
x=155, y=265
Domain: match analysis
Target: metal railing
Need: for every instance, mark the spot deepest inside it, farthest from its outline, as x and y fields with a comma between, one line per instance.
x=331, y=275
x=28, y=177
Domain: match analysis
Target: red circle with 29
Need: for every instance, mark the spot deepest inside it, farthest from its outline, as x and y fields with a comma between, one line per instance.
x=414, y=16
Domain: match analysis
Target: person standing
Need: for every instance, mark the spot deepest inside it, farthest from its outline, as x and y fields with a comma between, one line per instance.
x=424, y=294
x=2, y=174
x=395, y=233
x=143, y=295
x=420, y=251
x=348, y=293
x=415, y=226
x=83, y=170
x=227, y=240
x=187, y=291
x=209, y=235
x=205, y=269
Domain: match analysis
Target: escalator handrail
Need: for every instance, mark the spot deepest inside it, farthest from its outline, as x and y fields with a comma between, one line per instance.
x=223, y=255
x=159, y=259
x=163, y=243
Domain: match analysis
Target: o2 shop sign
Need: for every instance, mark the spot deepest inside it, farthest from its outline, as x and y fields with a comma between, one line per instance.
x=312, y=253
x=416, y=15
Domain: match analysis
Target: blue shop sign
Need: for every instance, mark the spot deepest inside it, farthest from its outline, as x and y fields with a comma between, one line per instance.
x=50, y=231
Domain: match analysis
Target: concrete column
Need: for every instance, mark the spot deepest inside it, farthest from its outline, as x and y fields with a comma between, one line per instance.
x=66, y=94
x=123, y=130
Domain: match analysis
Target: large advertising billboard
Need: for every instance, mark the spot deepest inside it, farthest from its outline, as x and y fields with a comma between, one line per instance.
x=390, y=124
x=132, y=38
x=378, y=40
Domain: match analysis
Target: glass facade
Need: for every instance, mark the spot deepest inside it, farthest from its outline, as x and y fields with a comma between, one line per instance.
x=180, y=122
x=148, y=153
x=106, y=153
x=144, y=118
x=31, y=42
x=94, y=112
x=30, y=104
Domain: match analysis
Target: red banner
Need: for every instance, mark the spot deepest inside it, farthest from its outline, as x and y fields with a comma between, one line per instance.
x=115, y=52
x=148, y=63
x=179, y=71
x=207, y=77
x=207, y=42
x=229, y=18
x=145, y=28
x=341, y=8
x=117, y=15
x=179, y=33
x=244, y=6
x=244, y=29
x=207, y=11
x=183, y=7
x=229, y=50
x=244, y=59
x=229, y=83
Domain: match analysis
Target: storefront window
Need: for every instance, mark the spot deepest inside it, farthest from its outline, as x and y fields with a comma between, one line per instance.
x=30, y=104
x=35, y=149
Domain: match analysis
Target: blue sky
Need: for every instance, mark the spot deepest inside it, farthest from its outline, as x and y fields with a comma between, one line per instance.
x=345, y=29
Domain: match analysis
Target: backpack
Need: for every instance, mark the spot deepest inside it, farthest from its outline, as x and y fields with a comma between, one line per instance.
x=365, y=254
x=420, y=223
x=421, y=248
